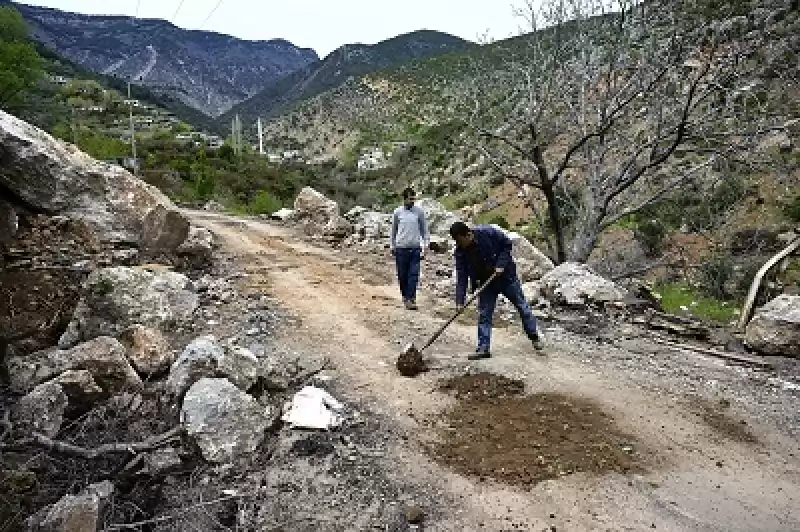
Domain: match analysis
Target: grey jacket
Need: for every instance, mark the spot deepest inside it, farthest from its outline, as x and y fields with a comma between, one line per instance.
x=409, y=228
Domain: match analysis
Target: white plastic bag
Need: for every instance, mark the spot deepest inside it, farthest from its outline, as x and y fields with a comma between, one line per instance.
x=313, y=408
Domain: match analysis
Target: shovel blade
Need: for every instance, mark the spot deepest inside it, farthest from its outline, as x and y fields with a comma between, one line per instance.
x=410, y=363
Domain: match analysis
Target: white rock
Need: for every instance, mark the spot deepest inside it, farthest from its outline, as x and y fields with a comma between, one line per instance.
x=775, y=327
x=439, y=219
x=576, y=284
x=198, y=246
x=205, y=357
x=42, y=410
x=57, y=177
x=312, y=205
x=282, y=215
x=118, y=298
x=213, y=206
x=104, y=358
x=224, y=421
x=74, y=513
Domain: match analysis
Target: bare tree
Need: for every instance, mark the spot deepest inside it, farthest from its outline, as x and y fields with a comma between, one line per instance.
x=605, y=107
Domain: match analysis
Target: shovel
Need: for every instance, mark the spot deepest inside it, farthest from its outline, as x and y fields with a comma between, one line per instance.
x=410, y=362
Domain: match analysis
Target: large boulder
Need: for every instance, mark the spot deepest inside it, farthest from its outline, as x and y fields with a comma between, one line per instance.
x=575, y=284
x=118, y=298
x=775, y=327
x=204, y=357
x=74, y=513
x=53, y=176
x=439, y=219
x=370, y=225
x=337, y=227
x=320, y=215
x=42, y=410
x=104, y=358
x=314, y=206
x=164, y=229
x=224, y=421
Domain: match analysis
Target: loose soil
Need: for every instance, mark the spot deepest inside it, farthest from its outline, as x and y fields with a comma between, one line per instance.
x=717, y=416
x=495, y=433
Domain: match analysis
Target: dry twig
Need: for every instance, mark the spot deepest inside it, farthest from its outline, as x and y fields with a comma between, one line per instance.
x=136, y=447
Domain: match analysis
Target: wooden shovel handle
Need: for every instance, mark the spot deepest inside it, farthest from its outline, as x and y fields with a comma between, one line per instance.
x=458, y=313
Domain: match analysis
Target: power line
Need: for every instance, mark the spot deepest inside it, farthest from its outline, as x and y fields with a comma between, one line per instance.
x=219, y=3
x=180, y=4
x=138, y=5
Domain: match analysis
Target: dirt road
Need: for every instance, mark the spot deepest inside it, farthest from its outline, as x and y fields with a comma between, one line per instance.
x=694, y=464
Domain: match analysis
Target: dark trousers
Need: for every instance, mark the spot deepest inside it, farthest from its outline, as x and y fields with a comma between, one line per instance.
x=512, y=289
x=407, y=260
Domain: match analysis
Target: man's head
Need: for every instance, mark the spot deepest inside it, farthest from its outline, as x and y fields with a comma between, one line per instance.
x=409, y=197
x=462, y=234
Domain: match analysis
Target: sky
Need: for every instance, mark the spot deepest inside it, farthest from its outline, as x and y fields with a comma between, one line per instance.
x=322, y=25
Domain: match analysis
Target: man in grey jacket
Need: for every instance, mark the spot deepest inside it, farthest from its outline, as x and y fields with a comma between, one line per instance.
x=409, y=241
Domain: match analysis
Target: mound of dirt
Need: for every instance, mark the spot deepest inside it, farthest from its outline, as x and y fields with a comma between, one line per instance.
x=496, y=433
x=483, y=386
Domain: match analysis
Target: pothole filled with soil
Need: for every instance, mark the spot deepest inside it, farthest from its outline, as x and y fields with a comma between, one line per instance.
x=495, y=432
x=717, y=416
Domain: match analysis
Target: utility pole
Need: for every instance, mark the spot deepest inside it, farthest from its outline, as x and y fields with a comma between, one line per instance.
x=260, y=138
x=133, y=132
x=236, y=135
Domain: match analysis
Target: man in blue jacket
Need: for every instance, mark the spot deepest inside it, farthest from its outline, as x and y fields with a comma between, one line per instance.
x=480, y=252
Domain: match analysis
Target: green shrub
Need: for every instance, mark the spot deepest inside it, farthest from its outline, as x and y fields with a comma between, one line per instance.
x=715, y=275
x=264, y=203
x=792, y=209
x=651, y=235
x=499, y=219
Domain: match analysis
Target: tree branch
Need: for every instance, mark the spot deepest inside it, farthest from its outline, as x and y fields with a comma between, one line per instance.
x=109, y=448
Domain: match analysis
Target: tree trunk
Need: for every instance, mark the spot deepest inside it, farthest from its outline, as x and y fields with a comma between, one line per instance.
x=586, y=238
x=556, y=223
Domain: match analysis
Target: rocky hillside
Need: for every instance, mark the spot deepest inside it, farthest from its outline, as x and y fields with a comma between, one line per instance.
x=467, y=117
x=347, y=62
x=205, y=70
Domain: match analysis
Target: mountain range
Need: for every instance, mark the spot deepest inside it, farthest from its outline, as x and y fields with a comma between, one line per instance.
x=216, y=74
x=208, y=71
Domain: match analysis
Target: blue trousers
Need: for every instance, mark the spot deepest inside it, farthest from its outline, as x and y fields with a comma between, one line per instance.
x=512, y=289
x=407, y=260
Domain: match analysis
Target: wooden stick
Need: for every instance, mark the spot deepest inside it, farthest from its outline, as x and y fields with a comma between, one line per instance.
x=108, y=448
x=747, y=308
x=715, y=353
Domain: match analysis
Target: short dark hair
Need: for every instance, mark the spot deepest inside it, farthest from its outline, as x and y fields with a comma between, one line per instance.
x=409, y=193
x=459, y=229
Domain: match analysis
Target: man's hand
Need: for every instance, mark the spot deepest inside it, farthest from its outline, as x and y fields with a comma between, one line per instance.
x=499, y=271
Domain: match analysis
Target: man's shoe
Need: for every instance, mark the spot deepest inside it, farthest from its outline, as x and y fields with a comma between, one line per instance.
x=480, y=354
x=407, y=304
x=412, y=305
x=538, y=342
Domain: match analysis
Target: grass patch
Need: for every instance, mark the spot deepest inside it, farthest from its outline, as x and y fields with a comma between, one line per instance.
x=677, y=295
